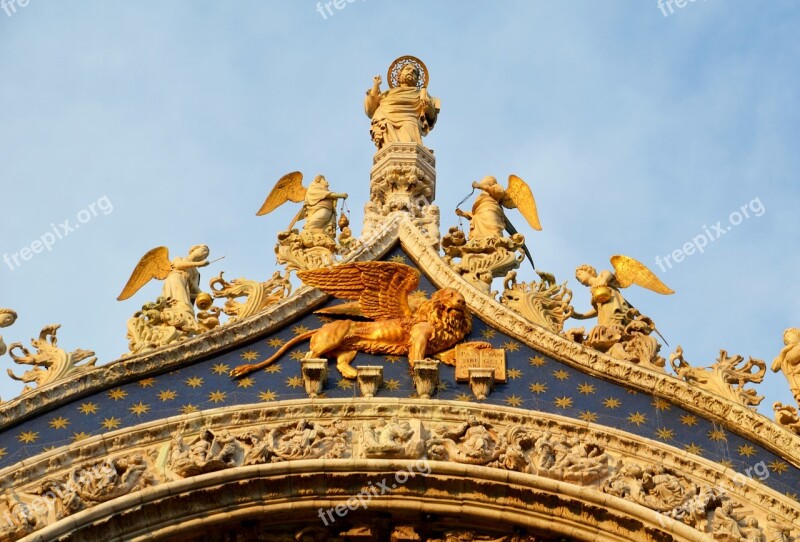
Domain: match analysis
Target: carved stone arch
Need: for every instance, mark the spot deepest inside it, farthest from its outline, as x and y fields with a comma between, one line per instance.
x=450, y=497
x=487, y=465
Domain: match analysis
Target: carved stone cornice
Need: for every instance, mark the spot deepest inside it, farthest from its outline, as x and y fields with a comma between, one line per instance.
x=737, y=418
x=482, y=469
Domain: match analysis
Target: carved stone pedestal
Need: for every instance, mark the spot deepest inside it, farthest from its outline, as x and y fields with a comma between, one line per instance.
x=403, y=180
x=370, y=378
x=426, y=377
x=481, y=381
x=315, y=375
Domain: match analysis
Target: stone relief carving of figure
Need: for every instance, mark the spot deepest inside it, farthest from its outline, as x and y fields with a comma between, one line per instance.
x=694, y=511
x=729, y=526
x=260, y=446
x=391, y=438
x=111, y=479
x=25, y=513
x=209, y=452
x=788, y=360
x=567, y=459
x=472, y=442
x=621, y=330
x=406, y=112
x=777, y=531
x=580, y=460
x=315, y=245
x=656, y=487
x=296, y=440
x=172, y=317
x=751, y=531
x=545, y=452
x=307, y=439
x=661, y=489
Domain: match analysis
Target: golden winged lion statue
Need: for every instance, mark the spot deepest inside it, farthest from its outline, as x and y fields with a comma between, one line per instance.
x=401, y=323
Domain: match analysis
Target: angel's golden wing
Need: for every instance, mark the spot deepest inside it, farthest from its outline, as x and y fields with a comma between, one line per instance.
x=289, y=187
x=381, y=288
x=153, y=265
x=520, y=194
x=629, y=271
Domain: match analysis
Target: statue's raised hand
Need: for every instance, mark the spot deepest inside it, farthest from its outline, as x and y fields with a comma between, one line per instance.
x=424, y=99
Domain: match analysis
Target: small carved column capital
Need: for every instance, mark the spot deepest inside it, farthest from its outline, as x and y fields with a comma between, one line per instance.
x=481, y=381
x=426, y=377
x=315, y=375
x=370, y=379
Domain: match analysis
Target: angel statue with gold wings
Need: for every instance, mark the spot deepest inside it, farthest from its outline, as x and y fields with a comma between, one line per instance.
x=488, y=219
x=486, y=253
x=621, y=329
x=172, y=316
x=402, y=324
x=313, y=246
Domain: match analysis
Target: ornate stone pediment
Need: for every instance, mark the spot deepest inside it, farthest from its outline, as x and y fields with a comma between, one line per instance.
x=309, y=416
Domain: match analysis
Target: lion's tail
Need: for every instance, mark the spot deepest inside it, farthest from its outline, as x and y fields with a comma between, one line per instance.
x=242, y=370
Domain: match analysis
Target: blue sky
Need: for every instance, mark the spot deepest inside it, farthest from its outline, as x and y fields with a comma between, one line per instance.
x=636, y=131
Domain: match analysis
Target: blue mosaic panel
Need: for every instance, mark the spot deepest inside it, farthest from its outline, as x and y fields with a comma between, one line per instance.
x=535, y=382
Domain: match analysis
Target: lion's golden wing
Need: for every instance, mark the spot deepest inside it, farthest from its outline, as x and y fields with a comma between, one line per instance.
x=288, y=188
x=381, y=288
x=153, y=265
x=630, y=271
x=520, y=194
